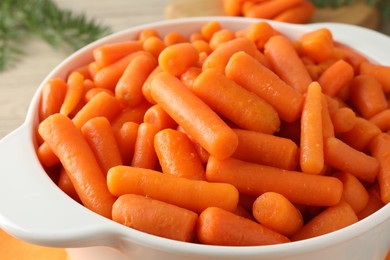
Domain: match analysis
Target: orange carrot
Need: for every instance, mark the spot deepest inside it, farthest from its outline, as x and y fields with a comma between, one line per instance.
x=203, y=154
x=219, y=58
x=126, y=137
x=232, y=7
x=130, y=114
x=312, y=152
x=93, y=91
x=100, y=137
x=74, y=93
x=153, y=45
x=129, y=87
x=52, y=97
x=350, y=55
x=380, y=72
x=335, y=77
x=46, y=156
x=380, y=148
x=285, y=61
x=155, y=217
x=66, y=185
x=177, y=155
x=146, y=33
x=260, y=33
x=221, y=93
x=209, y=29
x=110, y=53
x=318, y=44
x=367, y=96
x=382, y=120
x=220, y=37
x=270, y=9
x=354, y=193
x=255, y=179
x=374, y=203
x=176, y=59
x=157, y=116
x=93, y=68
x=220, y=227
x=173, y=38
x=189, y=76
x=300, y=13
x=202, y=46
x=345, y=158
x=266, y=149
x=252, y=75
x=196, y=118
x=274, y=211
x=343, y=119
x=329, y=220
x=172, y=189
x=66, y=141
x=328, y=128
x=146, y=85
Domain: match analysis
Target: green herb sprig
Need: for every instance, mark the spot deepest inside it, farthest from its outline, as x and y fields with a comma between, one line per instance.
x=61, y=29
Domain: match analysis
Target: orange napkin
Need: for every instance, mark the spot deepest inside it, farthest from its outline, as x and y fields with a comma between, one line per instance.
x=12, y=248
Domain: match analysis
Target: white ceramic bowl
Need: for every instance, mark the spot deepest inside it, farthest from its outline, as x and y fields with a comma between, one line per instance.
x=34, y=209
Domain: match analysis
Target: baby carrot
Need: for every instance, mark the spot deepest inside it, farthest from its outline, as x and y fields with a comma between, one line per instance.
x=129, y=87
x=173, y=38
x=374, y=203
x=380, y=72
x=232, y=7
x=146, y=33
x=66, y=185
x=46, y=156
x=209, y=29
x=100, y=137
x=176, y=59
x=110, y=53
x=73, y=94
x=126, y=137
x=350, y=55
x=300, y=13
x=52, y=97
x=217, y=226
x=155, y=217
x=93, y=91
x=220, y=37
x=252, y=75
x=274, y=211
x=146, y=85
x=266, y=149
x=380, y=148
x=221, y=94
x=270, y=9
x=157, y=116
x=219, y=58
x=189, y=76
x=311, y=153
x=318, y=44
x=328, y=129
x=255, y=179
x=144, y=152
x=203, y=154
x=202, y=46
x=177, y=155
x=367, y=96
x=66, y=141
x=331, y=219
x=172, y=189
x=382, y=120
x=196, y=118
x=285, y=61
x=335, y=77
x=343, y=119
x=130, y=114
x=345, y=158
x=354, y=193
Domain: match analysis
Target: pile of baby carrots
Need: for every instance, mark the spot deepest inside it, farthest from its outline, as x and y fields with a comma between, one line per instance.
x=289, y=11
x=222, y=137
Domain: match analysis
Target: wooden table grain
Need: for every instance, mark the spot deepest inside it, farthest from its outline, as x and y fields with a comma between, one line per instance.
x=18, y=84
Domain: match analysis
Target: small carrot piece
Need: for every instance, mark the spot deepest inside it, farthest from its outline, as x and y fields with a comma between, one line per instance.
x=153, y=45
x=52, y=97
x=144, y=153
x=209, y=29
x=259, y=33
x=74, y=93
x=220, y=37
x=110, y=53
x=380, y=72
x=318, y=44
x=189, y=76
x=155, y=217
x=300, y=13
x=335, y=77
x=129, y=87
x=343, y=119
x=221, y=93
x=66, y=185
x=202, y=46
x=172, y=189
x=157, y=116
x=176, y=59
x=66, y=141
x=130, y=114
x=374, y=203
x=255, y=179
x=93, y=91
x=126, y=137
x=146, y=33
x=177, y=155
x=350, y=55
x=46, y=156
x=220, y=227
x=380, y=148
x=266, y=149
x=345, y=158
x=146, y=85
x=382, y=120
x=100, y=137
x=312, y=152
x=219, y=58
x=173, y=38
x=328, y=128
x=252, y=75
x=367, y=96
x=270, y=9
x=276, y=212
x=232, y=7
x=196, y=118
x=285, y=61
x=331, y=219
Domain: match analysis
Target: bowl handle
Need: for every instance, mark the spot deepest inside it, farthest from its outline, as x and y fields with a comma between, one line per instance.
x=34, y=209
